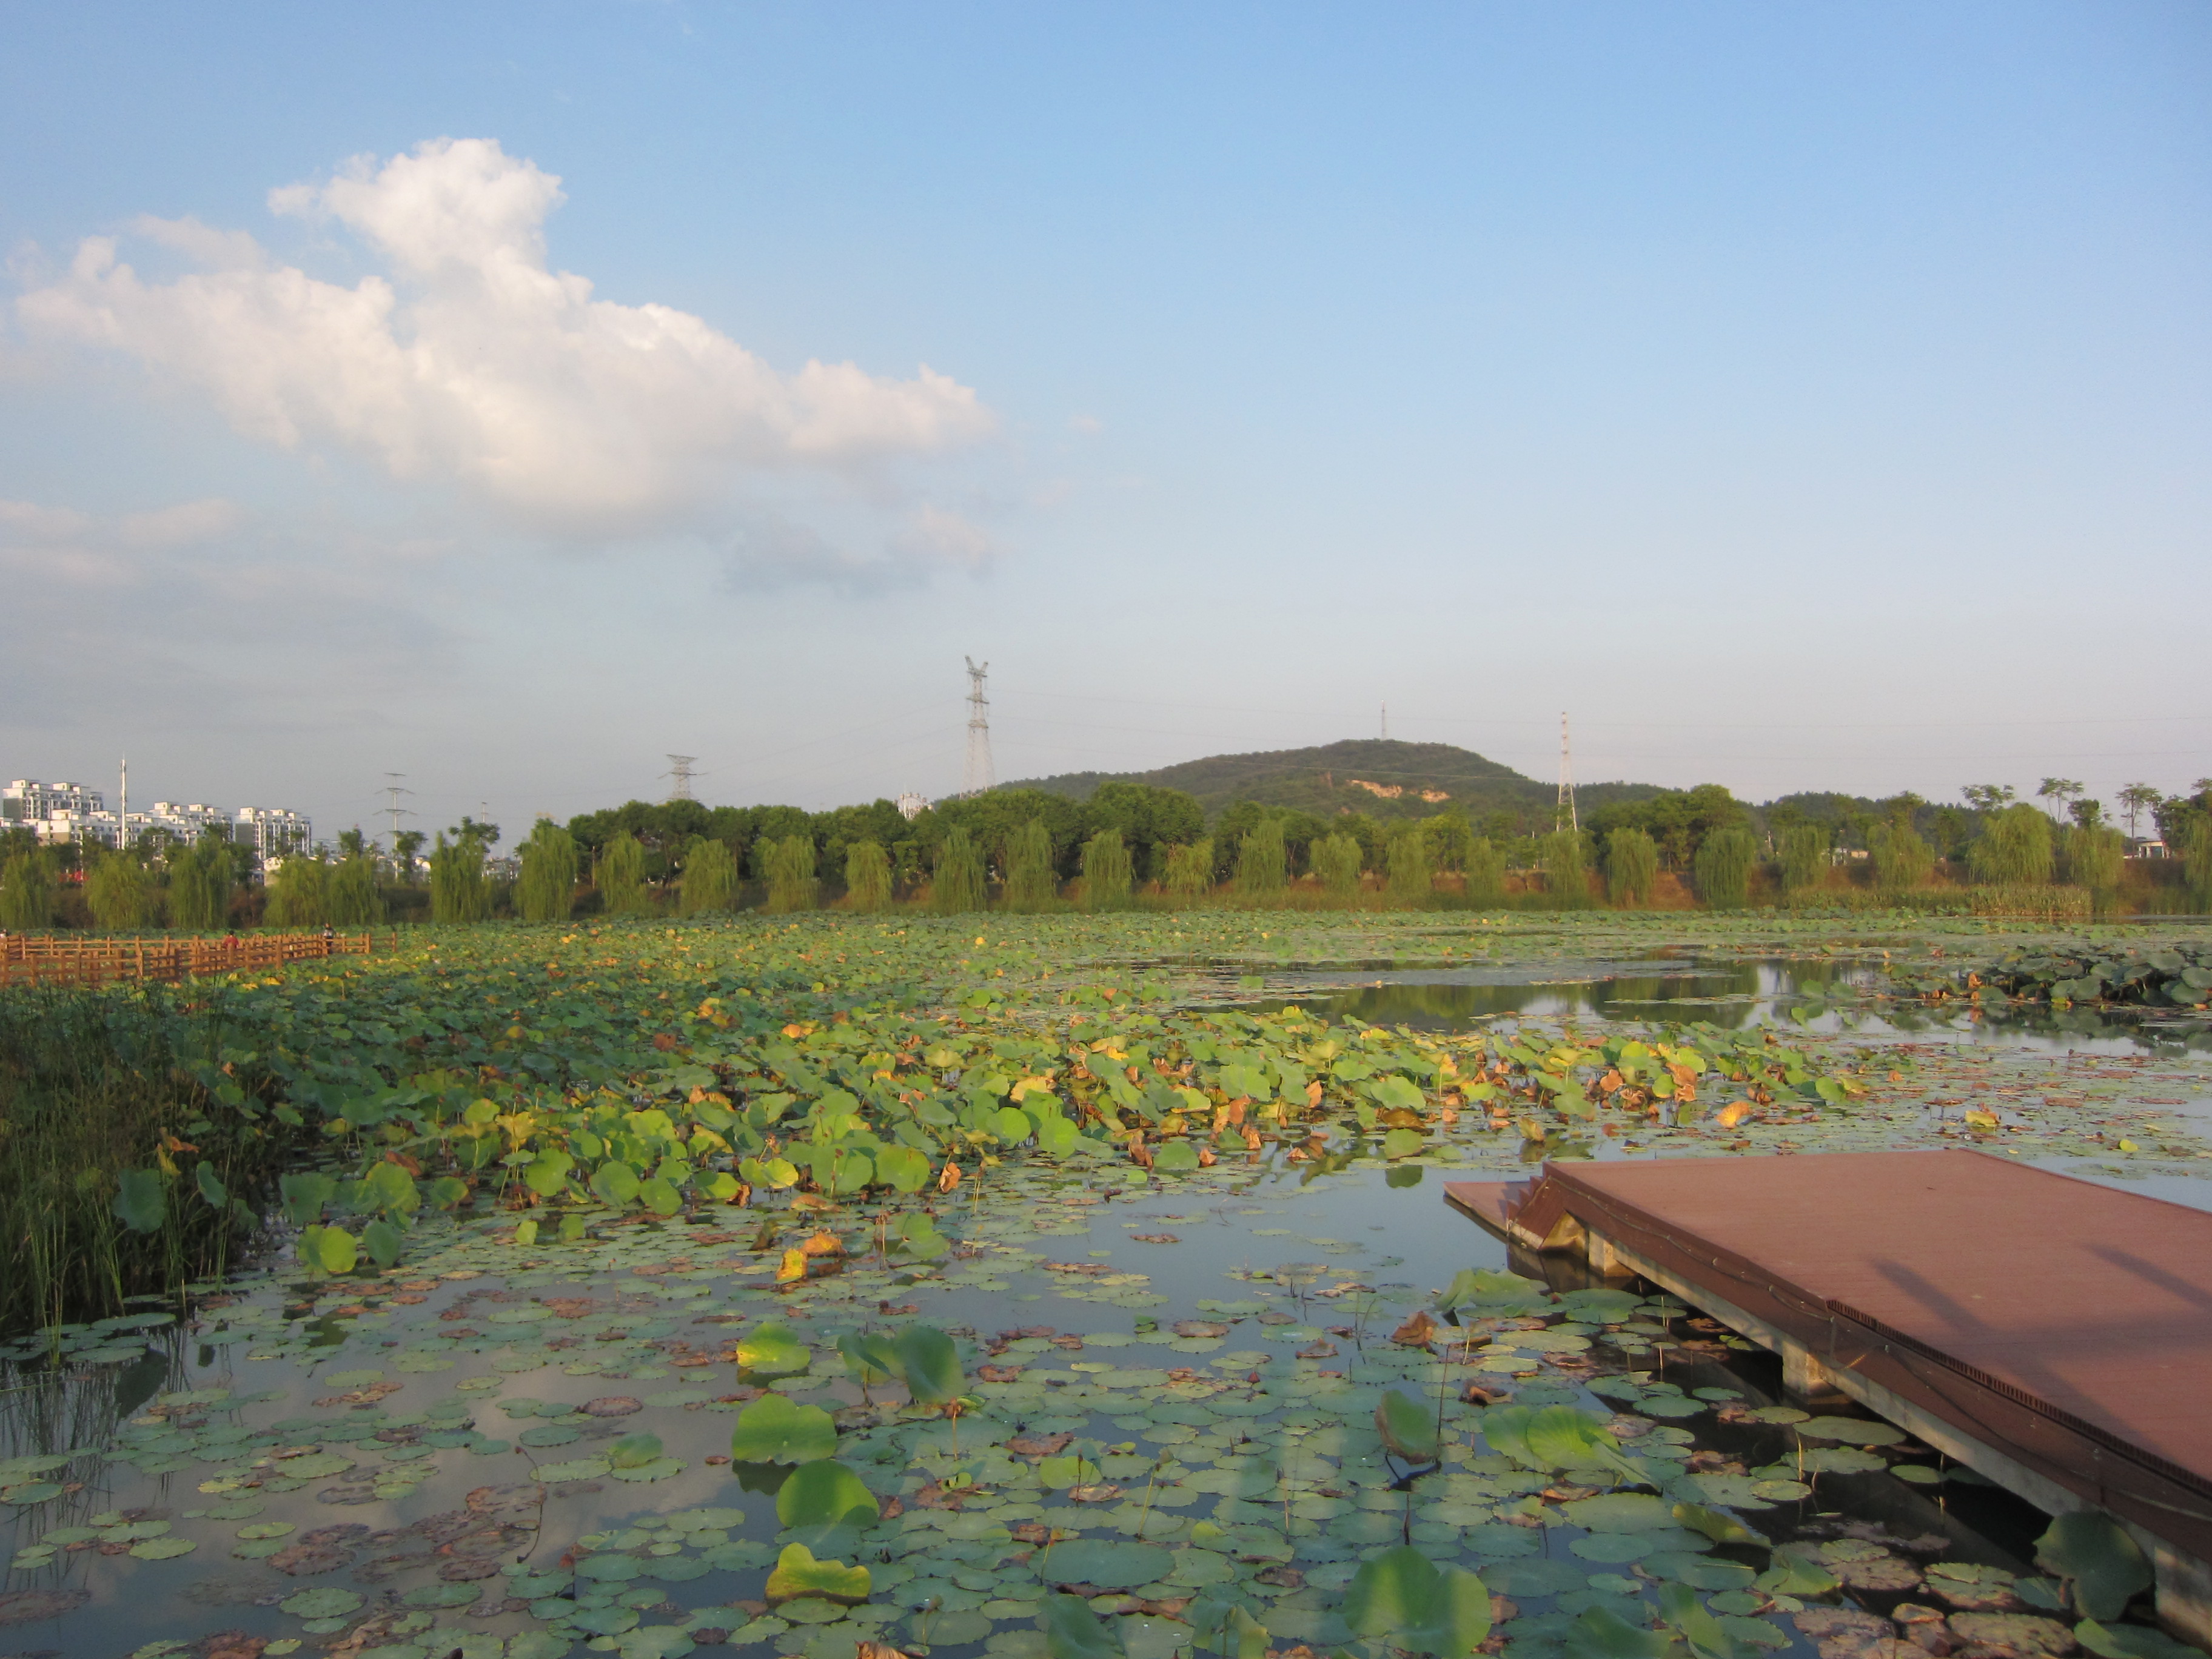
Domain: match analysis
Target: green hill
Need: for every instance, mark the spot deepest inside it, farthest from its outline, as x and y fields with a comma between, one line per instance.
x=1381, y=777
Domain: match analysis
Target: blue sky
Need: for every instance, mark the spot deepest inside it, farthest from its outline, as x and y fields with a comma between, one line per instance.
x=1801, y=397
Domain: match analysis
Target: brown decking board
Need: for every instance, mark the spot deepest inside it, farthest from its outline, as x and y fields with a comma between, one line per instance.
x=2066, y=1325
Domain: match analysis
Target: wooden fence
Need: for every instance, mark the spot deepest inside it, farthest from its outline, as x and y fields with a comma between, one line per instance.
x=43, y=959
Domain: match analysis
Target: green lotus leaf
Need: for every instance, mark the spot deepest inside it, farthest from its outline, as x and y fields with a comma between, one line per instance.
x=1060, y=1473
x=1175, y=1157
x=1072, y=1630
x=1852, y=1431
x=775, y=1429
x=1620, y=1511
x=610, y=1569
x=330, y=1248
x=797, y=1573
x=772, y=1349
x=1843, y=1460
x=599, y=1621
x=632, y=1450
x=382, y=1241
x=1562, y=1438
x=1796, y=1571
x=1498, y=1294
x=1402, y=1595
x=2129, y=1642
x=583, y=1469
x=902, y=1169
x=616, y=1183
x=1108, y=1562
x=1602, y=1633
x=653, y=1468
x=869, y=1357
x=440, y=1596
x=826, y=1493
x=141, y=1200
x=303, y=1197
x=1721, y=1527
x=929, y=1365
x=162, y=1549
x=547, y=1173
x=1601, y=1305
x=914, y=1236
x=2102, y=1567
x=1403, y=1143
x=325, y=1601
x=1408, y=1427
x=1703, y=1572
x=660, y=1196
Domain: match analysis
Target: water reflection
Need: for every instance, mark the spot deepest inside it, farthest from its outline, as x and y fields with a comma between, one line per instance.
x=1817, y=996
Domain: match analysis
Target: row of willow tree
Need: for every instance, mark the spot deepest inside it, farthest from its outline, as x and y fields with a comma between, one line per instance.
x=1026, y=874
x=972, y=860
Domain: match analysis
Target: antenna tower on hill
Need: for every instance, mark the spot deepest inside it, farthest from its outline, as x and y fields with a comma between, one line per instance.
x=679, y=774
x=979, y=776
x=1564, y=818
x=1386, y=722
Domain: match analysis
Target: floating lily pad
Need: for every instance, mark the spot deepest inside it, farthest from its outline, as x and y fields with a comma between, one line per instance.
x=1852, y=1431
x=588, y=1468
x=162, y=1549
x=324, y=1601
x=1109, y=1565
x=1620, y=1511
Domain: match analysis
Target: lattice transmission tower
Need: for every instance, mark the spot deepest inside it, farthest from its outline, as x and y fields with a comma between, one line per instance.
x=679, y=775
x=979, y=776
x=1564, y=817
x=391, y=793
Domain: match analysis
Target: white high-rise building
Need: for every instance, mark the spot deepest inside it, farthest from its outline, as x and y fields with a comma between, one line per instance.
x=274, y=831
x=60, y=813
x=181, y=822
x=26, y=800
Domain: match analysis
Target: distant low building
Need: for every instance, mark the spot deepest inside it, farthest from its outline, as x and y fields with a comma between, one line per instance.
x=2146, y=846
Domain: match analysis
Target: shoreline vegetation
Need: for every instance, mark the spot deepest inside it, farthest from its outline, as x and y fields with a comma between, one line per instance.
x=1141, y=848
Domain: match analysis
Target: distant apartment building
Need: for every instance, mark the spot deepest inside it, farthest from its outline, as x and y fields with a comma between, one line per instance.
x=273, y=831
x=59, y=814
x=27, y=801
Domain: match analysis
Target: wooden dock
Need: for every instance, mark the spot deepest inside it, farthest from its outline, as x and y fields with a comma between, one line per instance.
x=2053, y=1335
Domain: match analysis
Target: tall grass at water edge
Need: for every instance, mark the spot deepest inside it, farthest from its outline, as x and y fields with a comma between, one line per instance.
x=96, y=1083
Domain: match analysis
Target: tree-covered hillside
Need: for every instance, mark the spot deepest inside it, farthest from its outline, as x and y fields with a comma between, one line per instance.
x=1381, y=777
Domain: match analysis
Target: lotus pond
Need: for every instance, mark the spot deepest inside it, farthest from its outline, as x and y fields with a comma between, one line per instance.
x=1047, y=1287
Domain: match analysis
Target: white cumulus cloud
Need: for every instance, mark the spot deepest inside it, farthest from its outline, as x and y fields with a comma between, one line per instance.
x=468, y=359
